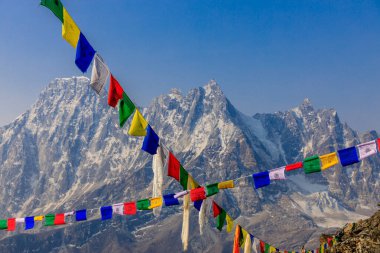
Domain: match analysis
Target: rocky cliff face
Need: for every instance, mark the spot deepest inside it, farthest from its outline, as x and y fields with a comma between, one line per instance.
x=67, y=152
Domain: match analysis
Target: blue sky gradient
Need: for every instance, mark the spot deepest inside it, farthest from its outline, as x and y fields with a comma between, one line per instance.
x=267, y=55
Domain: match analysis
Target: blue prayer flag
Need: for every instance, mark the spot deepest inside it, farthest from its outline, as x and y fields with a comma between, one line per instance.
x=198, y=204
x=348, y=156
x=106, y=212
x=81, y=215
x=261, y=179
x=29, y=223
x=170, y=200
x=151, y=141
x=85, y=53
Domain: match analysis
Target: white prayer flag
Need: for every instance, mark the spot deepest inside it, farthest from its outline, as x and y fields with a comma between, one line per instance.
x=69, y=214
x=367, y=149
x=20, y=220
x=277, y=174
x=99, y=74
x=255, y=245
x=118, y=208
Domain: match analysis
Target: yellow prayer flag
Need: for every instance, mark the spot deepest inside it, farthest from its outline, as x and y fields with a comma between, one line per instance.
x=138, y=125
x=191, y=183
x=70, y=31
x=226, y=184
x=272, y=249
x=245, y=234
x=39, y=218
x=155, y=202
x=329, y=160
x=230, y=223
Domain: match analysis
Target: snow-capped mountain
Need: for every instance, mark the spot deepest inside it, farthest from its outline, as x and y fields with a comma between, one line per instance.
x=67, y=152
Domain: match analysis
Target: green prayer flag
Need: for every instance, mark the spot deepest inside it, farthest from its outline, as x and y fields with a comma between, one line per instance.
x=143, y=204
x=312, y=164
x=183, y=177
x=3, y=224
x=221, y=219
x=126, y=108
x=267, y=248
x=212, y=189
x=55, y=6
x=49, y=219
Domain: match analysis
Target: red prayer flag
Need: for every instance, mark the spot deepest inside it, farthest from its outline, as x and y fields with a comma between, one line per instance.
x=130, y=208
x=11, y=224
x=173, y=167
x=216, y=209
x=115, y=92
x=378, y=144
x=236, y=240
x=197, y=194
x=294, y=166
x=59, y=219
x=262, y=246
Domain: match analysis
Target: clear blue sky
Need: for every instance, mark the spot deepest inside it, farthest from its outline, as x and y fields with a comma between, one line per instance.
x=267, y=55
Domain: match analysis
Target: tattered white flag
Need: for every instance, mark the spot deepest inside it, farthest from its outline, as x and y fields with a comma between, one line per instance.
x=277, y=174
x=367, y=149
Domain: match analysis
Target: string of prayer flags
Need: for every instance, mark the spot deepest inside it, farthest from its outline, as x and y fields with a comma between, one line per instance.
x=173, y=167
x=81, y=215
x=138, y=125
x=155, y=202
x=277, y=174
x=143, y=204
x=170, y=200
x=328, y=160
x=130, y=208
x=220, y=215
x=99, y=74
x=106, y=212
x=367, y=149
x=348, y=156
x=151, y=141
x=118, y=208
x=294, y=166
x=183, y=177
x=11, y=224
x=115, y=92
x=29, y=223
x=197, y=194
x=212, y=189
x=126, y=108
x=261, y=179
x=70, y=30
x=55, y=6
x=226, y=184
x=85, y=53
x=49, y=219
x=312, y=164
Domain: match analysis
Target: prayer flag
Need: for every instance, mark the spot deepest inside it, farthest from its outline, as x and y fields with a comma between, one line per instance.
x=198, y=204
x=81, y=215
x=143, y=204
x=262, y=247
x=216, y=209
x=106, y=212
x=312, y=164
x=221, y=219
x=230, y=223
x=39, y=218
x=277, y=174
x=126, y=108
x=29, y=223
x=151, y=141
x=367, y=149
x=118, y=208
x=212, y=189
x=138, y=125
x=99, y=74
x=70, y=31
x=261, y=179
x=226, y=184
x=173, y=167
x=197, y=194
x=55, y=6
x=293, y=166
x=20, y=220
x=3, y=224
x=255, y=245
x=183, y=177
x=192, y=183
x=49, y=219
x=130, y=208
x=155, y=202
x=85, y=53
x=329, y=160
x=170, y=200
x=11, y=224
x=378, y=144
x=348, y=156
x=236, y=240
x=71, y=213
x=59, y=219
x=115, y=92
x=247, y=244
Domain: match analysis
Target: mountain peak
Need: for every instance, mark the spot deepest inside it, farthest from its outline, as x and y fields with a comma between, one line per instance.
x=213, y=88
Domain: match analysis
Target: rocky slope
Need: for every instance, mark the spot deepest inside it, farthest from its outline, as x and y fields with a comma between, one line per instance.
x=67, y=152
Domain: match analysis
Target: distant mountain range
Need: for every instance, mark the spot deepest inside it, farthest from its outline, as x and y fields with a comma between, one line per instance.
x=67, y=152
